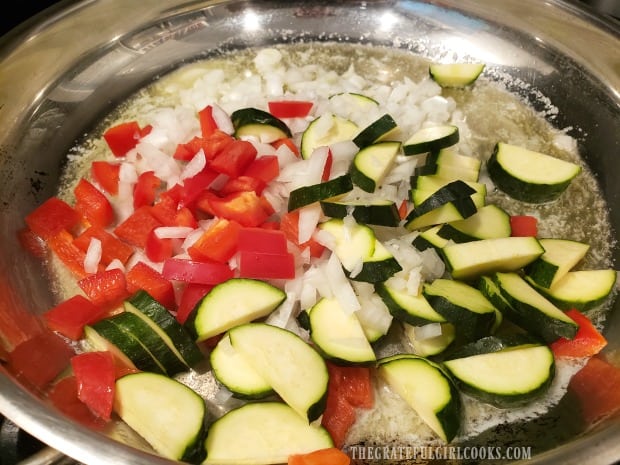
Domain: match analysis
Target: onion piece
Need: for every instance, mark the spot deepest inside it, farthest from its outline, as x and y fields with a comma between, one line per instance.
x=427, y=331
x=93, y=255
x=195, y=165
x=309, y=217
x=173, y=232
x=341, y=286
x=222, y=119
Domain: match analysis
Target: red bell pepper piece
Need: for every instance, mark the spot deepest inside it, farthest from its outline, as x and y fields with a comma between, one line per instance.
x=145, y=189
x=218, y=243
x=234, y=159
x=92, y=204
x=523, y=226
x=136, y=228
x=403, y=209
x=290, y=108
x=107, y=175
x=242, y=184
x=193, y=187
x=106, y=289
x=189, y=298
x=262, y=240
x=71, y=315
x=123, y=137
x=246, y=208
x=68, y=253
x=64, y=396
x=265, y=168
x=51, y=217
x=327, y=169
x=289, y=224
x=112, y=248
x=587, y=342
x=95, y=373
x=40, y=359
x=207, y=124
x=266, y=265
x=288, y=142
x=331, y=456
x=183, y=152
x=195, y=272
x=142, y=276
x=158, y=249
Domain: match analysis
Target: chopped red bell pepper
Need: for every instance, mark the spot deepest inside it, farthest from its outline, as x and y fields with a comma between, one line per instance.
x=95, y=373
x=290, y=108
x=330, y=456
x=17, y=321
x=207, y=124
x=327, y=169
x=145, y=189
x=92, y=204
x=265, y=168
x=193, y=187
x=71, y=315
x=112, y=248
x=136, y=228
x=123, y=137
x=597, y=387
x=40, y=359
x=211, y=145
x=234, y=159
x=246, y=208
x=158, y=249
x=51, y=217
x=242, y=184
x=64, y=396
x=523, y=226
x=587, y=342
x=68, y=253
x=183, y=152
x=189, y=298
x=262, y=240
x=288, y=142
x=107, y=175
x=403, y=209
x=218, y=243
x=260, y=265
x=289, y=224
x=195, y=272
x=165, y=210
x=106, y=289
x=142, y=276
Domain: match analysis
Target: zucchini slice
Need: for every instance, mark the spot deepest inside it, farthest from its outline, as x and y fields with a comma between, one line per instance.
x=236, y=374
x=455, y=74
x=470, y=260
x=162, y=321
x=425, y=201
x=380, y=266
x=428, y=389
x=489, y=222
x=339, y=336
x=430, y=346
x=447, y=172
x=294, y=369
x=377, y=131
x=492, y=292
x=471, y=313
x=412, y=309
x=306, y=195
x=529, y=176
x=582, y=290
x=430, y=238
x=262, y=433
x=560, y=256
x=324, y=131
x=449, y=157
x=532, y=311
x=258, y=124
x=166, y=413
x=372, y=163
x=503, y=374
x=431, y=139
x=378, y=212
x=231, y=303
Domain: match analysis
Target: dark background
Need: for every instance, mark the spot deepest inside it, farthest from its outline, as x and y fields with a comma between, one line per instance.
x=21, y=11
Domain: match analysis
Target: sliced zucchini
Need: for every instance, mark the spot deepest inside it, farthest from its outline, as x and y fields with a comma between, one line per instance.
x=262, y=433
x=582, y=290
x=381, y=265
x=170, y=330
x=560, y=256
x=471, y=313
x=338, y=335
x=469, y=260
x=377, y=131
x=532, y=311
x=166, y=413
x=316, y=135
x=430, y=239
x=447, y=172
x=306, y=195
x=489, y=222
x=451, y=192
x=231, y=303
x=451, y=211
x=356, y=101
x=377, y=211
x=431, y=139
x=105, y=335
x=455, y=74
x=372, y=163
x=294, y=369
x=412, y=309
x=530, y=176
x=433, y=182
x=427, y=347
x=504, y=375
x=449, y=157
x=236, y=374
x=258, y=124
x=419, y=196
x=492, y=292
x=427, y=389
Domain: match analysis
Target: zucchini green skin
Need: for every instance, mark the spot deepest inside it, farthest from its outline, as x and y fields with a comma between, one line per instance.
x=248, y=117
x=376, y=131
x=456, y=192
x=491, y=291
x=379, y=213
x=307, y=195
x=531, y=191
x=414, y=310
x=375, y=271
x=430, y=239
x=431, y=139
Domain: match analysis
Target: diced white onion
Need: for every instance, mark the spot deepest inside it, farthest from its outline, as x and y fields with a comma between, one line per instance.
x=93, y=255
x=309, y=217
x=195, y=165
x=340, y=285
x=173, y=232
x=222, y=119
x=427, y=331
